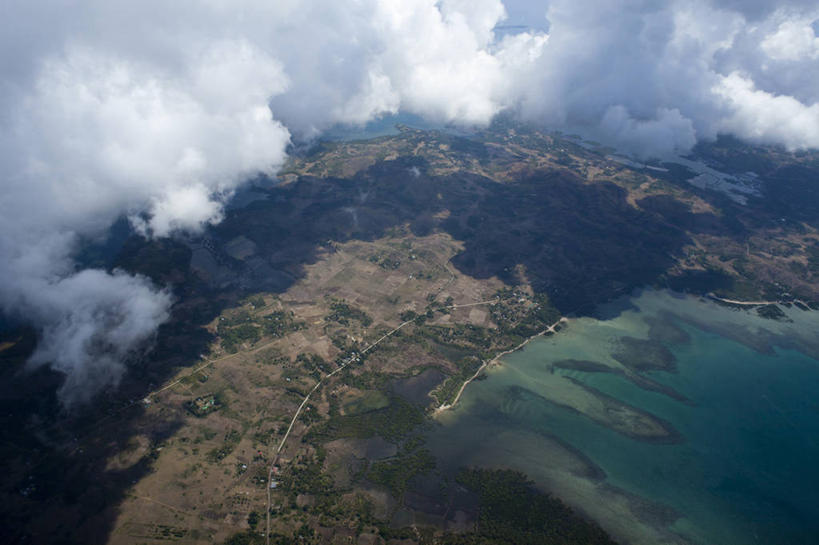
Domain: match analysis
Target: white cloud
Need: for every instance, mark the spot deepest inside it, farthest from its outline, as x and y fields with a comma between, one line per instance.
x=92, y=321
x=648, y=76
x=793, y=40
x=652, y=137
x=97, y=135
x=765, y=117
x=158, y=110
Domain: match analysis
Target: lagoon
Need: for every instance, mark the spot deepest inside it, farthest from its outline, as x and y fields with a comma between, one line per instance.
x=717, y=441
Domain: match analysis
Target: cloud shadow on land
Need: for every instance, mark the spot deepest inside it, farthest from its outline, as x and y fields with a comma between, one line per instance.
x=580, y=243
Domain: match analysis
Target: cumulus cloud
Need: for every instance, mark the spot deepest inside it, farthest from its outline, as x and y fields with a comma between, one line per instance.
x=759, y=115
x=650, y=77
x=653, y=137
x=793, y=40
x=158, y=110
x=92, y=321
x=97, y=134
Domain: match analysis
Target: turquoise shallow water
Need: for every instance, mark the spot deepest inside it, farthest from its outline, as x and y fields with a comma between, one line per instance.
x=747, y=470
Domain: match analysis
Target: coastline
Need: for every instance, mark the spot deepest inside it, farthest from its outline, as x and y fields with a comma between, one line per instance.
x=446, y=406
x=800, y=303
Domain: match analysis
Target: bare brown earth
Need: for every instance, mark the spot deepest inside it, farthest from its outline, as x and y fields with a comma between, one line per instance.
x=212, y=499
x=761, y=247
x=475, y=244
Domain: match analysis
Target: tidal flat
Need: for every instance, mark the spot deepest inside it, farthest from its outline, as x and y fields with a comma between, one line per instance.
x=665, y=418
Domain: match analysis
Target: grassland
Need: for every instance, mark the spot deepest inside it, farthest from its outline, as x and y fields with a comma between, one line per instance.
x=209, y=475
x=474, y=244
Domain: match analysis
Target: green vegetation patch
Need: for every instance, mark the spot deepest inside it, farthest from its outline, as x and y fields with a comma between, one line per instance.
x=512, y=512
x=236, y=318
x=342, y=312
x=246, y=538
x=279, y=323
x=459, y=335
x=257, y=301
x=396, y=472
x=519, y=315
x=241, y=327
x=233, y=337
x=385, y=262
x=313, y=364
x=446, y=392
x=203, y=405
x=306, y=476
x=392, y=423
x=232, y=439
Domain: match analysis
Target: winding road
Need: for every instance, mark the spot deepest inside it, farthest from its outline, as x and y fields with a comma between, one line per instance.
x=551, y=328
x=344, y=364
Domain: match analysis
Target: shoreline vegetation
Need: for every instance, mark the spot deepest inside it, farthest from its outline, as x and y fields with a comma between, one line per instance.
x=512, y=511
x=766, y=309
x=411, y=462
x=688, y=241
x=344, y=363
x=446, y=406
x=277, y=297
x=799, y=303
